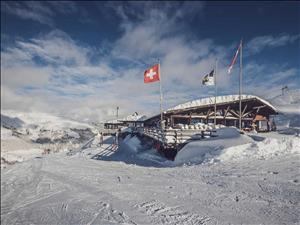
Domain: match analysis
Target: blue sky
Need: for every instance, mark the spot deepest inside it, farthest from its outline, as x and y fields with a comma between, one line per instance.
x=83, y=59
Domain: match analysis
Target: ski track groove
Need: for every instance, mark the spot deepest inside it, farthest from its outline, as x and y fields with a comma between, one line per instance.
x=163, y=215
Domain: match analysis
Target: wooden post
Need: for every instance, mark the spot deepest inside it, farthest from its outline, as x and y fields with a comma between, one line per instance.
x=226, y=112
x=240, y=85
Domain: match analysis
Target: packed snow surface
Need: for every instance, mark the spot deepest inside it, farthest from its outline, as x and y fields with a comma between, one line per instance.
x=230, y=145
x=198, y=151
x=125, y=184
x=232, y=178
x=14, y=149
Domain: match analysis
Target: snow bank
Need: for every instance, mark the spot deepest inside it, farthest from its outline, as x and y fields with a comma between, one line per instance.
x=267, y=149
x=133, y=143
x=6, y=134
x=232, y=146
x=14, y=149
x=198, y=151
x=72, y=134
x=21, y=155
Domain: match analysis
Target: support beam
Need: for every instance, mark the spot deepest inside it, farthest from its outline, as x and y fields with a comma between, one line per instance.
x=244, y=110
x=234, y=113
x=259, y=107
x=207, y=116
x=226, y=111
x=247, y=113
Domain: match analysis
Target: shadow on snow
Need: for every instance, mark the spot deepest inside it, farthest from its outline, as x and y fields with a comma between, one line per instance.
x=122, y=153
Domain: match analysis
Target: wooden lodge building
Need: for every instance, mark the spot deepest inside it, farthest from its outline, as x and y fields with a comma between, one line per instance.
x=256, y=113
x=195, y=120
x=134, y=120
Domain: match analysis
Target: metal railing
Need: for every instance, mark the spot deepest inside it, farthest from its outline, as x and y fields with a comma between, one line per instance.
x=176, y=136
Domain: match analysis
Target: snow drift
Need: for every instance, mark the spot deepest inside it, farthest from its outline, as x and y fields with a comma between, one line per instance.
x=289, y=109
x=132, y=143
x=198, y=151
x=230, y=145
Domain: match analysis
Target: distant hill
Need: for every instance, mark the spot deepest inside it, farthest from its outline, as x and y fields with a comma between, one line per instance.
x=288, y=106
x=11, y=122
x=289, y=102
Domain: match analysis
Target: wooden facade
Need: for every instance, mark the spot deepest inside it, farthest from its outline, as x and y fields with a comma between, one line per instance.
x=256, y=114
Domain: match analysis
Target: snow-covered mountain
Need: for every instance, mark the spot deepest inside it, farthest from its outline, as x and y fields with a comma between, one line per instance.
x=289, y=102
x=25, y=135
x=42, y=120
x=288, y=106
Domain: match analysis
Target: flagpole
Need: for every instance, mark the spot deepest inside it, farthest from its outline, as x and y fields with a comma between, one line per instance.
x=216, y=65
x=240, y=84
x=161, y=97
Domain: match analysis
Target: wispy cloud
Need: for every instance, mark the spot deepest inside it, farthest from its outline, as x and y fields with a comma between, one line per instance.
x=35, y=11
x=144, y=10
x=44, y=12
x=260, y=43
x=54, y=73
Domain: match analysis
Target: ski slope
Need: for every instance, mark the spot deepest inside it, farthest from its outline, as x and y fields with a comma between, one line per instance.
x=111, y=185
x=230, y=179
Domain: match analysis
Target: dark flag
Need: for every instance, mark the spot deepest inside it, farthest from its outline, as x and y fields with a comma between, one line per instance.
x=209, y=79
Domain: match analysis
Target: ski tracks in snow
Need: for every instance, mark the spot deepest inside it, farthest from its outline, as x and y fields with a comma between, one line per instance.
x=33, y=194
x=162, y=214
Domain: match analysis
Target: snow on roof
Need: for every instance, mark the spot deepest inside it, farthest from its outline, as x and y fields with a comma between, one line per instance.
x=113, y=121
x=219, y=100
x=133, y=117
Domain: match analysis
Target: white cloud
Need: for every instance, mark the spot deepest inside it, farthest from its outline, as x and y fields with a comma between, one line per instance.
x=44, y=12
x=66, y=81
x=35, y=11
x=22, y=76
x=258, y=44
x=144, y=10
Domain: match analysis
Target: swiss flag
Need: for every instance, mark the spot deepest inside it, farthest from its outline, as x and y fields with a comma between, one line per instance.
x=152, y=74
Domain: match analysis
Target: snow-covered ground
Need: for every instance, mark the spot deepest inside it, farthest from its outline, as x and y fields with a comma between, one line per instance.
x=229, y=179
x=129, y=185
x=14, y=149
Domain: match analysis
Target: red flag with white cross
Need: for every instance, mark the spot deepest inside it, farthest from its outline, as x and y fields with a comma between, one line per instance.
x=152, y=74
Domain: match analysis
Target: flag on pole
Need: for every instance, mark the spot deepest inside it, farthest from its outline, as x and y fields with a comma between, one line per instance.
x=152, y=74
x=234, y=58
x=209, y=79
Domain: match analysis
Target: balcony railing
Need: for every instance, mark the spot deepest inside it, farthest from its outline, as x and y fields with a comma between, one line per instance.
x=176, y=136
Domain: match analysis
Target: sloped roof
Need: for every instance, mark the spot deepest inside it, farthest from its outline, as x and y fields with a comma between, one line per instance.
x=211, y=101
x=113, y=122
x=219, y=100
x=133, y=117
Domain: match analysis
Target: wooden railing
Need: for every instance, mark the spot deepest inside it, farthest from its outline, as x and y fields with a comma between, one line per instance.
x=108, y=131
x=175, y=136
